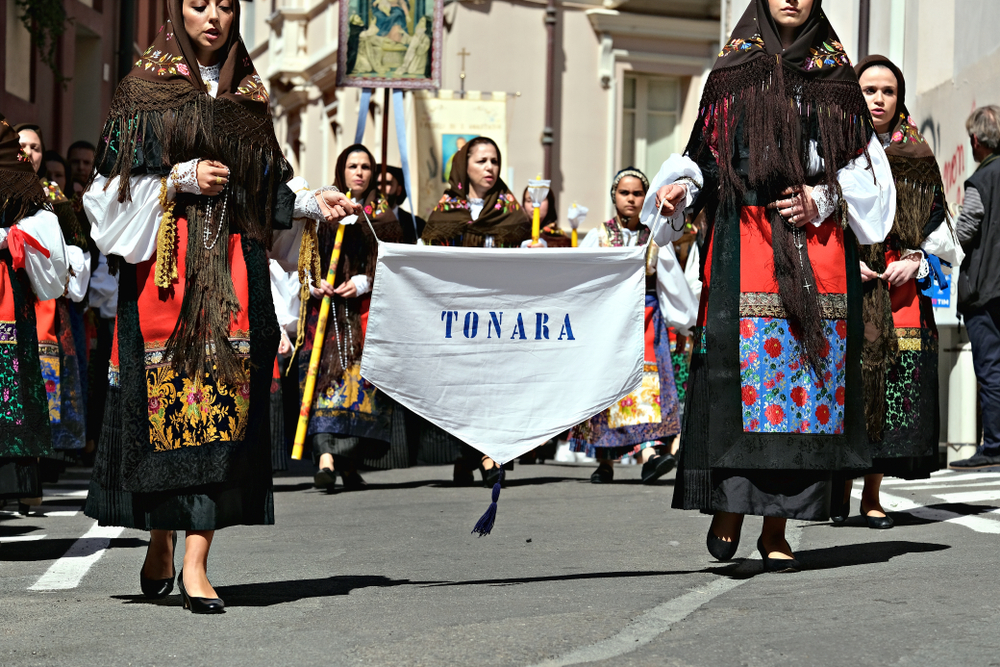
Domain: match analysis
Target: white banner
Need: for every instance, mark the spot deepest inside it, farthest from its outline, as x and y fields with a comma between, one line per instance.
x=506, y=348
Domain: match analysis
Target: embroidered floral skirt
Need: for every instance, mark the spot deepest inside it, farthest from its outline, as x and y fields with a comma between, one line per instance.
x=25, y=433
x=648, y=414
x=763, y=431
x=177, y=453
x=62, y=372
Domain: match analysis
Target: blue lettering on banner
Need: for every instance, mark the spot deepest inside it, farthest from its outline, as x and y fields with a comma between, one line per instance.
x=541, y=326
x=470, y=325
x=495, y=320
x=567, y=330
x=451, y=314
x=518, y=329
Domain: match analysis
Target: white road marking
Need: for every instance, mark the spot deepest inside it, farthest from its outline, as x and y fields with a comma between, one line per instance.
x=969, y=496
x=23, y=538
x=42, y=513
x=949, y=477
x=955, y=485
x=653, y=623
x=58, y=493
x=68, y=571
x=897, y=504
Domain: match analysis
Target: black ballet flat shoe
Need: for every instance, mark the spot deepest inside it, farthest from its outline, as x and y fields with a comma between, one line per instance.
x=719, y=548
x=603, y=475
x=656, y=467
x=199, y=605
x=490, y=476
x=325, y=479
x=877, y=522
x=353, y=481
x=156, y=589
x=776, y=564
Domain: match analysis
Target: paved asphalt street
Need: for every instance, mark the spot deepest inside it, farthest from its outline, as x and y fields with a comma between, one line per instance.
x=573, y=573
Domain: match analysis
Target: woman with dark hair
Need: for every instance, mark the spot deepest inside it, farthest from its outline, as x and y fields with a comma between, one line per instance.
x=786, y=164
x=551, y=234
x=477, y=210
x=32, y=267
x=648, y=418
x=350, y=419
x=191, y=186
x=901, y=344
x=62, y=343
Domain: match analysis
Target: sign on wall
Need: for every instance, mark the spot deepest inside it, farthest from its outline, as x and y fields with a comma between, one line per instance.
x=444, y=125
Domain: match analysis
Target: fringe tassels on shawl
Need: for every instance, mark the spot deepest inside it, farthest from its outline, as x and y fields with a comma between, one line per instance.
x=881, y=346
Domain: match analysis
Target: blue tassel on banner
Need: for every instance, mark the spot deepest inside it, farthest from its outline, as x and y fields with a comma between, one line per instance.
x=485, y=524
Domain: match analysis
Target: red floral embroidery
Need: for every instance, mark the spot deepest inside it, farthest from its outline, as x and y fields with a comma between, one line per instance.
x=754, y=424
x=154, y=405
x=749, y=395
x=747, y=328
x=774, y=414
x=800, y=396
x=840, y=395
x=841, y=327
x=825, y=352
x=823, y=414
x=50, y=386
x=773, y=347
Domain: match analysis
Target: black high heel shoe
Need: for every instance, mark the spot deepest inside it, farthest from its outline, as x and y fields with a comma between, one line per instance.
x=877, y=522
x=199, y=605
x=719, y=548
x=157, y=589
x=776, y=564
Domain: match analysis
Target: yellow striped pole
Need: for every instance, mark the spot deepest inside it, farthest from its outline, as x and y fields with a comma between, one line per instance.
x=317, y=352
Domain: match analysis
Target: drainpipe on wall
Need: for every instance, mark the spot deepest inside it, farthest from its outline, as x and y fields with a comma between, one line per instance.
x=548, y=133
x=864, y=23
x=126, y=37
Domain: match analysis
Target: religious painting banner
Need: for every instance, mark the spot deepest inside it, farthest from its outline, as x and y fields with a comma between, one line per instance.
x=390, y=43
x=506, y=348
x=444, y=125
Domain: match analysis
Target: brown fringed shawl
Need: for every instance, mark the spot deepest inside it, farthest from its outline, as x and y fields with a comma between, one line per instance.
x=162, y=115
x=918, y=181
x=21, y=192
x=358, y=255
x=772, y=102
x=502, y=216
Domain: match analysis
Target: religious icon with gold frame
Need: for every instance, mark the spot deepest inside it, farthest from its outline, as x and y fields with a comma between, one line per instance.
x=390, y=43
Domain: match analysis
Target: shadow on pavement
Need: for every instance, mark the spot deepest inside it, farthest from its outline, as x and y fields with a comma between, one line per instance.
x=908, y=519
x=828, y=558
x=512, y=581
x=53, y=549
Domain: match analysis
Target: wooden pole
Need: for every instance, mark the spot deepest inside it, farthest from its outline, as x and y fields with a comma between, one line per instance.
x=385, y=141
x=317, y=352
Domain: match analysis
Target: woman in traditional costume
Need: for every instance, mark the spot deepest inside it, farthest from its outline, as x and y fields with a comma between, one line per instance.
x=900, y=353
x=62, y=343
x=786, y=163
x=648, y=418
x=190, y=187
x=33, y=267
x=477, y=210
x=350, y=420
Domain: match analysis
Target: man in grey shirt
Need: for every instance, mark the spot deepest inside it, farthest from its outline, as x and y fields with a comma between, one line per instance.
x=978, y=229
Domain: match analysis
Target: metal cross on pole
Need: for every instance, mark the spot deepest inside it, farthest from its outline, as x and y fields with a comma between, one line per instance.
x=463, y=53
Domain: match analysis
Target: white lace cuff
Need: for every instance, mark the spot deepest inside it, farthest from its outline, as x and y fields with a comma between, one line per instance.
x=825, y=206
x=184, y=177
x=3, y=238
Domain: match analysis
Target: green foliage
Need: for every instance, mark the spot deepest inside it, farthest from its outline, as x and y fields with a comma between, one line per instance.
x=46, y=20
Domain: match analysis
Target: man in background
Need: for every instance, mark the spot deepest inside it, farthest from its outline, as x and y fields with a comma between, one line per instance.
x=978, y=228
